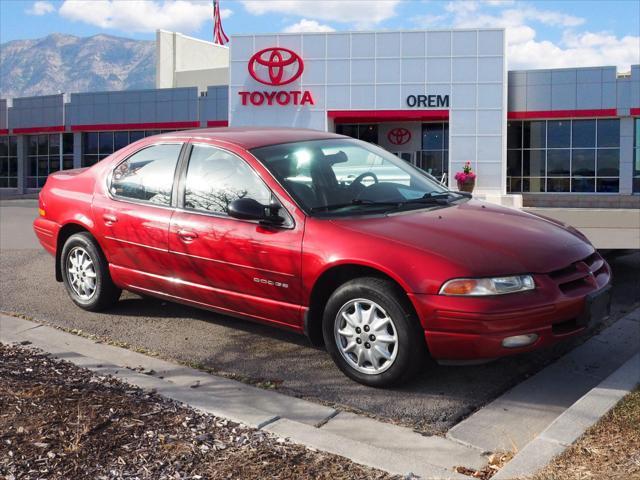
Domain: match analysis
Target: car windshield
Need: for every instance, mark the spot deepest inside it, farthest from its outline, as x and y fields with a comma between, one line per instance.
x=348, y=176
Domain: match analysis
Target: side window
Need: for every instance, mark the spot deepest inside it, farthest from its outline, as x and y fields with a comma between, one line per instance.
x=147, y=175
x=215, y=178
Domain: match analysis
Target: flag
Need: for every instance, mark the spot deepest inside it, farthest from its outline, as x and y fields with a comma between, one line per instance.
x=219, y=36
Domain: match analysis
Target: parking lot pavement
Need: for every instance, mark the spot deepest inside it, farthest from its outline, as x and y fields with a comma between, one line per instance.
x=435, y=401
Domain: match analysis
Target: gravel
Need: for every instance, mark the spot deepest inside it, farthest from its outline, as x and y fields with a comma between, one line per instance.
x=60, y=421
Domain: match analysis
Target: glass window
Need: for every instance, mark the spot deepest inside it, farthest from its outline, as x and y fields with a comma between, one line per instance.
x=33, y=145
x=514, y=135
x=348, y=130
x=584, y=162
x=559, y=134
x=583, y=184
x=583, y=133
x=608, y=162
x=67, y=143
x=105, y=140
x=534, y=185
x=346, y=177
x=433, y=136
x=43, y=144
x=147, y=175
x=608, y=133
x=514, y=163
x=534, y=134
x=533, y=163
x=368, y=133
x=558, y=185
x=54, y=144
x=91, y=143
x=608, y=185
x=558, y=162
x=8, y=162
x=433, y=162
x=120, y=140
x=136, y=135
x=215, y=178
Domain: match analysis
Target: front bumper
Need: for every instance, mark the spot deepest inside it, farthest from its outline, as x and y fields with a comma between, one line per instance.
x=473, y=328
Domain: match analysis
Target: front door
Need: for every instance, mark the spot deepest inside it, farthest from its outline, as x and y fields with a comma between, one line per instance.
x=235, y=266
x=133, y=217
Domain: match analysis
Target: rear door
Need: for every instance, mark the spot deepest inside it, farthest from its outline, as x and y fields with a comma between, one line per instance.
x=134, y=214
x=238, y=266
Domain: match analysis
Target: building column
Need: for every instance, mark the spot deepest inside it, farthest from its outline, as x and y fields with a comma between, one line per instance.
x=626, y=155
x=23, y=167
x=77, y=149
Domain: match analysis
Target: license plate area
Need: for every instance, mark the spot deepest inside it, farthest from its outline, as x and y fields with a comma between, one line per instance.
x=597, y=307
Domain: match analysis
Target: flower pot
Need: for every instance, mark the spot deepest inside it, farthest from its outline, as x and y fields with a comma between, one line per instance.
x=467, y=185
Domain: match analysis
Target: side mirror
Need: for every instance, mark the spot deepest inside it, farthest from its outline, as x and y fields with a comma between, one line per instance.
x=250, y=209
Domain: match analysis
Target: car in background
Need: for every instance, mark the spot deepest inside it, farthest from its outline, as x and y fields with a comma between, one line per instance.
x=324, y=235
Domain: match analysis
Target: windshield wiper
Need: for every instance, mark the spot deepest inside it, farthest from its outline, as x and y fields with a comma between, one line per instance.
x=337, y=206
x=427, y=199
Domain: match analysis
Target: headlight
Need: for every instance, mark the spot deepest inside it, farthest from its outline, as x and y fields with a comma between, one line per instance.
x=488, y=286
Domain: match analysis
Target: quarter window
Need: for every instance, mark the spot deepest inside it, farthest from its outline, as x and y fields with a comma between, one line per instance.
x=215, y=178
x=147, y=175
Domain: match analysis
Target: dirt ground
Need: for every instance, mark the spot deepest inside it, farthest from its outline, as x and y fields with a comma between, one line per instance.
x=58, y=421
x=610, y=450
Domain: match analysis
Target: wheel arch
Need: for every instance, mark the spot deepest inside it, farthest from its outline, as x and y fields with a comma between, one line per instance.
x=328, y=281
x=66, y=231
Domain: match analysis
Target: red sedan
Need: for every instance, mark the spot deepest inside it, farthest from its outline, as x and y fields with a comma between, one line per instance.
x=324, y=235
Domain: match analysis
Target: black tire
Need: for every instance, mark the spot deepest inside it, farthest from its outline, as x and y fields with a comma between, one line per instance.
x=410, y=357
x=106, y=293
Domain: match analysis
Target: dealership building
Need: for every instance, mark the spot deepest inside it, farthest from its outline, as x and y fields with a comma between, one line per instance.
x=563, y=140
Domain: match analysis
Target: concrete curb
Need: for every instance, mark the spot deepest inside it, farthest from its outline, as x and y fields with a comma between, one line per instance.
x=573, y=422
x=518, y=416
x=392, y=448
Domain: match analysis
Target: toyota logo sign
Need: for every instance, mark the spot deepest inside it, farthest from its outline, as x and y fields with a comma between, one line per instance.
x=399, y=136
x=276, y=66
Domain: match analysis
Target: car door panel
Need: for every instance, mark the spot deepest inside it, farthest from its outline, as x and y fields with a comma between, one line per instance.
x=237, y=266
x=136, y=233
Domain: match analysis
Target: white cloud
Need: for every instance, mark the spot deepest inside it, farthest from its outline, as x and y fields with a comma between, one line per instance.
x=305, y=25
x=40, y=8
x=574, y=49
x=362, y=13
x=141, y=15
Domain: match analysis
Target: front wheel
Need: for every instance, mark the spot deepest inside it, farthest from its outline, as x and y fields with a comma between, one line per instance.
x=85, y=273
x=372, y=333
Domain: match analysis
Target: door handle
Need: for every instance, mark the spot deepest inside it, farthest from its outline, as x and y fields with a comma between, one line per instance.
x=187, y=235
x=109, y=219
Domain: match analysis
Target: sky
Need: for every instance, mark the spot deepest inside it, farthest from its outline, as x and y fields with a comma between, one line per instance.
x=540, y=34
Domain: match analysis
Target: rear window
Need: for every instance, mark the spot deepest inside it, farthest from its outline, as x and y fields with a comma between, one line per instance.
x=147, y=175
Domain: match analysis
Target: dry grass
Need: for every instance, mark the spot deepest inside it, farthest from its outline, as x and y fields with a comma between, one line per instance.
x=610, y=450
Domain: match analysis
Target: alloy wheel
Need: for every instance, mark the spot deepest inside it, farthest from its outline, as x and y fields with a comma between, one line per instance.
x=366, y=336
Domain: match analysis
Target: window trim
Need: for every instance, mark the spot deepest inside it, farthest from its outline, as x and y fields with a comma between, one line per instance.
x=181, y=181
x=118, y=198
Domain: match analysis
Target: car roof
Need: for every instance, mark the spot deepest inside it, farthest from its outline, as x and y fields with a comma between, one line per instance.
x=254, y=137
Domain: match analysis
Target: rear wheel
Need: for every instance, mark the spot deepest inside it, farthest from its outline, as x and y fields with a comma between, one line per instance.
x=85, y=273
x=372, y=333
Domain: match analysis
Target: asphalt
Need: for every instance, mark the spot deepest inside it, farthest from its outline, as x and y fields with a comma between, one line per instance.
x=438, y=399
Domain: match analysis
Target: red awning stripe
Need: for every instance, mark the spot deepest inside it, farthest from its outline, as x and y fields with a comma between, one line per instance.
x=134, y=126
x=542, y=114
x=361, y=116
x=635, y=112
x=4, y=131
x=217, y=123
x=54, y=129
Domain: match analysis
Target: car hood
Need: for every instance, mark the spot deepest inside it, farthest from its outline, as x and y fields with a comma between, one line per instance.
x=480, y=238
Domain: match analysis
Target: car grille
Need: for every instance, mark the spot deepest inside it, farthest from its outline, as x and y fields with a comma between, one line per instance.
x=580, y=275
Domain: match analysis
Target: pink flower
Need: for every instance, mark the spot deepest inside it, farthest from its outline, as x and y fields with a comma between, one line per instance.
x=466, y=174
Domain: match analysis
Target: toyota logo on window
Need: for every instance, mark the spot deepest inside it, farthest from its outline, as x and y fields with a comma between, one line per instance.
x=276, y=66
x=399, y=136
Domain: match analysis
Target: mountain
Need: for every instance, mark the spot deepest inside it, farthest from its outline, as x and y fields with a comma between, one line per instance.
x=66, y=63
